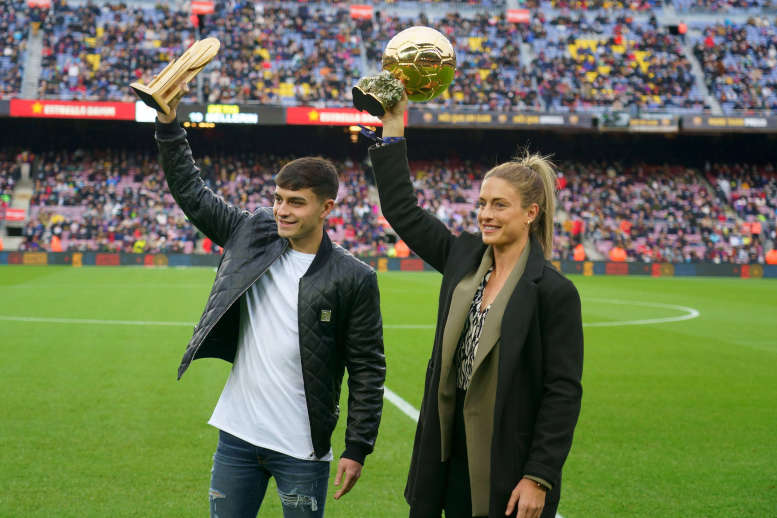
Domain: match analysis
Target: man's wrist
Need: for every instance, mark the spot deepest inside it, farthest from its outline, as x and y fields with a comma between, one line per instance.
x=355, y=451
x=166, y=119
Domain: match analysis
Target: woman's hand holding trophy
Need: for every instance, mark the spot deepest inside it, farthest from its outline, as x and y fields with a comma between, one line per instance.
x=418, y=64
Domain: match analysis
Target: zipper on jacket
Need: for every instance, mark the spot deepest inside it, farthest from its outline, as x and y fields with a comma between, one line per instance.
x=209, y=328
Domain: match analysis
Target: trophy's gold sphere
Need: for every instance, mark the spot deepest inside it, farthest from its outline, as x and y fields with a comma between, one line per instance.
x=423, y=59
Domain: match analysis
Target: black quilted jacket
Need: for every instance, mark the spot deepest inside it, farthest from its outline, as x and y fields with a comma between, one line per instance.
x=339, y=309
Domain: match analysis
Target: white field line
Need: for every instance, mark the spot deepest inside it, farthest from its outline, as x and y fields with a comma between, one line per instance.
x=688, y=314
x=405, y=407
x=54, y=320
x=48, y=320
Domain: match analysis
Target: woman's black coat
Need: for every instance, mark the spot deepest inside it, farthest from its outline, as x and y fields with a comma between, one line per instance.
x=540, y=356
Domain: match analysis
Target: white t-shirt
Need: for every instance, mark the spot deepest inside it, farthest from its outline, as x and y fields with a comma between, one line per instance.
x=263, y=402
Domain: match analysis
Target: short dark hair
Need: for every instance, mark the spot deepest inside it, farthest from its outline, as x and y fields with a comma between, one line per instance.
x=316, y=173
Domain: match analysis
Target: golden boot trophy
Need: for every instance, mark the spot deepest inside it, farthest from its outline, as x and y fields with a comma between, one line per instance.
x=166, y=87
x=419, y=60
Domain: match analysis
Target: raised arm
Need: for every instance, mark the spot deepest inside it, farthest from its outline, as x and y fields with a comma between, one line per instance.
x=426, y=235
x=208, y=211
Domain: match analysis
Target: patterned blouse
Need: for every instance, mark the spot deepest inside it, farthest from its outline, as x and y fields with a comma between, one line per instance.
x=470, y=336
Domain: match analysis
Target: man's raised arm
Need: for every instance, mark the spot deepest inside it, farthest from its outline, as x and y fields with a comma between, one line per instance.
x=208, y=211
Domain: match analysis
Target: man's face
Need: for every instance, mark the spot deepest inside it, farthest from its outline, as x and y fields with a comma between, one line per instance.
x=299, y=213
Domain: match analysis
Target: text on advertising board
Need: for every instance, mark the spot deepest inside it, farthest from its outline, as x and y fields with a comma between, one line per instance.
x=731, y=123
x=12, y=214
x=72, y=109
x=224, y=114
x=305, y=115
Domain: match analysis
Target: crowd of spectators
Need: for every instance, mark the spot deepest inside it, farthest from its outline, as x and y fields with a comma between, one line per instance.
x=660, y=213
x=593, y=56
x=600, y=62
x=268, y=54
x=590, y=5
x=750, y=190
x=118, y=201
x=581, y=62
x=14, y=25
x=724, y=6
x=740, y=64
x=9, y=174
x=93, y=52
x=282, y=55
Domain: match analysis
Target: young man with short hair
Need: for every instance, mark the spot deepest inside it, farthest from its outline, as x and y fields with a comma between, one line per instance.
x=291, y=310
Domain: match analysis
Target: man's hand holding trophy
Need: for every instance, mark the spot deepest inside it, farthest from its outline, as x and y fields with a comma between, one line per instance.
x=418, y=62
x=168, y=87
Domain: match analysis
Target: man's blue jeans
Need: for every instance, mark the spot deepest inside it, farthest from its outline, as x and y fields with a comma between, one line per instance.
x=241, y=472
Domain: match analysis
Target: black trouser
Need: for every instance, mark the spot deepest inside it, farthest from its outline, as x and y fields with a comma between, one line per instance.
x=458, y=494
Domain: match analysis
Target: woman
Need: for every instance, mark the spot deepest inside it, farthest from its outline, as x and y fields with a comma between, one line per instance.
x=502, y=392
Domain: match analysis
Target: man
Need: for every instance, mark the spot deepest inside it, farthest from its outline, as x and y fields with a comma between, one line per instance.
x=291, y=310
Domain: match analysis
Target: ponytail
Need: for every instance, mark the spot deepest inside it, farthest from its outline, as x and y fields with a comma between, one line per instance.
x=534, y=177
x=543, y=226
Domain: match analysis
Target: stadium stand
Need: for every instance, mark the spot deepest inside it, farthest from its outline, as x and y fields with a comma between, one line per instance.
x=598, y=62
x=94, y=52
x=589, y=62
x=583, y=56
x=658, y=214
x=14, y=24
x=9, y=174
x=594, y=56
x=117, y=201
x=740, y=63
x=311, y=58
x=723, y=6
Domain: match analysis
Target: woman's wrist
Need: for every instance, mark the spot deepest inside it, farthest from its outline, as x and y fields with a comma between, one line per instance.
x=393, y=128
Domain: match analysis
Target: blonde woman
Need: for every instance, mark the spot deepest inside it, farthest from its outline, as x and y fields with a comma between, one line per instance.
x=502, y=393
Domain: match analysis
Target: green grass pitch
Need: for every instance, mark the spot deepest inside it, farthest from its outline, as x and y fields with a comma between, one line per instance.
x=679, y=417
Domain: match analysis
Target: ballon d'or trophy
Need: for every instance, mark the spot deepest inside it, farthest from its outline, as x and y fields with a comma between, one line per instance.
x=166, y=87
x=419, y=60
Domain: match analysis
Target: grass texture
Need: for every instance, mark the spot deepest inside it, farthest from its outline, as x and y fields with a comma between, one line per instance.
x=679, y=418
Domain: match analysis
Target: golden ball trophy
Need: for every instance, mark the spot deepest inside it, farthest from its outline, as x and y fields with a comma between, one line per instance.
x=165, y=88
x=419, y=60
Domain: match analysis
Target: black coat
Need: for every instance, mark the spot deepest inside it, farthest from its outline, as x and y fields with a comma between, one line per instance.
x=540, y=357
x=338, y=308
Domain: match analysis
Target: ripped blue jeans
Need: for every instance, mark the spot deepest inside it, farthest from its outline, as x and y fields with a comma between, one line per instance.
x=241, y=472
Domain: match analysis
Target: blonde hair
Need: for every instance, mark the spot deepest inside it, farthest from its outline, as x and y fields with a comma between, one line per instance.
x=534, y=178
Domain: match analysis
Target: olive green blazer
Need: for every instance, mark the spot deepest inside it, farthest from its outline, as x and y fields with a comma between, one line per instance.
x=481, y=395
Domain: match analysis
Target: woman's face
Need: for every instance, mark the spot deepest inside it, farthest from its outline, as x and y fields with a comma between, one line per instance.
x=502, y=218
